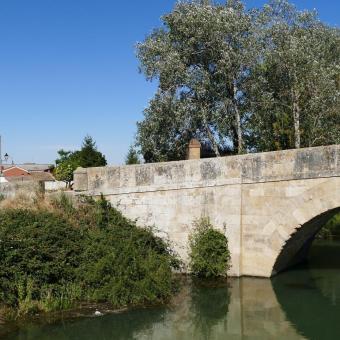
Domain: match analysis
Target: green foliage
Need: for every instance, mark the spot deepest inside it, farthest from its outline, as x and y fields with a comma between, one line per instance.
x=209, y=253
x=332, y=229
x=127, y=266
x=132, y=157
x=69, y=161
x=246, y=80
x=89, y=156
x=201, y=78
x=293, y=89
x=54, y=260
x=37, y=248
x=64, y=171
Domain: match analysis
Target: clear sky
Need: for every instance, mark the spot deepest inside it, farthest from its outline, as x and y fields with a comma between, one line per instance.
x=68, y=68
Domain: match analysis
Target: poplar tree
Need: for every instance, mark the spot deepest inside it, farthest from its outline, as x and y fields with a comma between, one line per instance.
x=239, y=80
x=200, y=57
x=294, y=95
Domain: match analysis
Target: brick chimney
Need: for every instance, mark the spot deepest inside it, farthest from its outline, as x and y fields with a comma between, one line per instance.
x=194, y=149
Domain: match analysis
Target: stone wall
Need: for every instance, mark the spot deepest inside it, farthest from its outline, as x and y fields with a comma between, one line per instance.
x=9, y=190
x=257, y=200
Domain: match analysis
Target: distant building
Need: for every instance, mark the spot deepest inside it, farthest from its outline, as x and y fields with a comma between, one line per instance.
x=28, y=172
x=14, y=171
x=30, y=167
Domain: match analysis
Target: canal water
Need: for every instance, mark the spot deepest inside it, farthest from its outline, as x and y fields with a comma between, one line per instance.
x=303, y=303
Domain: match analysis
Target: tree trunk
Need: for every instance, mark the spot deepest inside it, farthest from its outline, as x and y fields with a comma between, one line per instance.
x=213, y=141
x=234, y=137
x=296, y=117
x=238, y=122
x=239, y=131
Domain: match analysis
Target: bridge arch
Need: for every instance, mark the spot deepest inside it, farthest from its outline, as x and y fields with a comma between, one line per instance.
x=297, y=227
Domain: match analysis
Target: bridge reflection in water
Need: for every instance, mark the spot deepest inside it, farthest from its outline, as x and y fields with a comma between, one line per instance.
x=303, y=303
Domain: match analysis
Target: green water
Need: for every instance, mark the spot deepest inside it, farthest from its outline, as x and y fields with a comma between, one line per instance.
x=303, y=303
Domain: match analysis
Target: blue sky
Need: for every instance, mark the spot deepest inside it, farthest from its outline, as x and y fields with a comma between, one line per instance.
x=68, y=68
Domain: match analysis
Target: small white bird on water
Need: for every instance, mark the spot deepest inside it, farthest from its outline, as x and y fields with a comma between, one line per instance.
x=97, y=313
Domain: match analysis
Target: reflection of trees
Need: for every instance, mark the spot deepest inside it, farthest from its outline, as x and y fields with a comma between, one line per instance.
x=120, y=326
x=309, y=294
x=192, y=314
x=209, y=305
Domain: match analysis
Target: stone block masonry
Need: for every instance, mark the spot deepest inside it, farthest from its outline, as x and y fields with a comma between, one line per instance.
x=267, y=204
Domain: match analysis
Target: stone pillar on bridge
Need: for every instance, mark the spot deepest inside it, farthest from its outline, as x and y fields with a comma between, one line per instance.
x=194, y=149
x=80, y=179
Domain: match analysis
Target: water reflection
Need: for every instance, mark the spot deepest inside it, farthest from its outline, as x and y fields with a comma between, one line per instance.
x=299, y=304
x=309, y=294
x=240, y=309
x=209, y=306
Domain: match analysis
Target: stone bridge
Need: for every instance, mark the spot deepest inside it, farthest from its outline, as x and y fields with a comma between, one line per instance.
x=269, y=205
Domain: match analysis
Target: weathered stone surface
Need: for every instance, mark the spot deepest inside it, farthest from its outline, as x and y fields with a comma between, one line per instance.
x=80, y=179
x=194, y=149
x=259, y=201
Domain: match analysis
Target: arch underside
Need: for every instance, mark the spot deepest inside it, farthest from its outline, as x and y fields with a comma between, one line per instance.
x=297, y=246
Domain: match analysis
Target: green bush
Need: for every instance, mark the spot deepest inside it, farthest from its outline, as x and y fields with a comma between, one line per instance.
x=124, y=264
x=38, y=250
x=52, y=260
x=209, y=253
x=127, y=266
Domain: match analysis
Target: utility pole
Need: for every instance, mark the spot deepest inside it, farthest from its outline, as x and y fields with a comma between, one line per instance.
x=1, y=175
x=0, y=155
x=1, y=160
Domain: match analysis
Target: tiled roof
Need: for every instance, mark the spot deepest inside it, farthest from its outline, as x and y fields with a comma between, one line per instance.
x=29, y=166
x=42, y=176
x=34, y=177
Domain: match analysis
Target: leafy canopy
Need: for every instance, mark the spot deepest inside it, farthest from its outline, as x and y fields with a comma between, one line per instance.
x=200, y=57
x=239, y=80
x=69, y=161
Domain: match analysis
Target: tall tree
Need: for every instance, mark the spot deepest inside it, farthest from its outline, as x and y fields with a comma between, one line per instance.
x=69, y=161
x=240, y=80
x=89, y=156
x=132, y=157
x=294, y=98
x=201, y=57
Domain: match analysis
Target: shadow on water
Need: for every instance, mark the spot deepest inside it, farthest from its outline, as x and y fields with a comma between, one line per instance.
x=309, y=294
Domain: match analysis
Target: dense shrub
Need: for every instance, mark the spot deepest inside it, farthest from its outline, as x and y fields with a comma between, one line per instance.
x=127, y=266
x=51, y=260
x=209, y=253
x=37, y=249
x=124, y=264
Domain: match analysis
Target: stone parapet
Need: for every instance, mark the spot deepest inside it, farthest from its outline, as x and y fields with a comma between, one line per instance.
x=244, y=169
